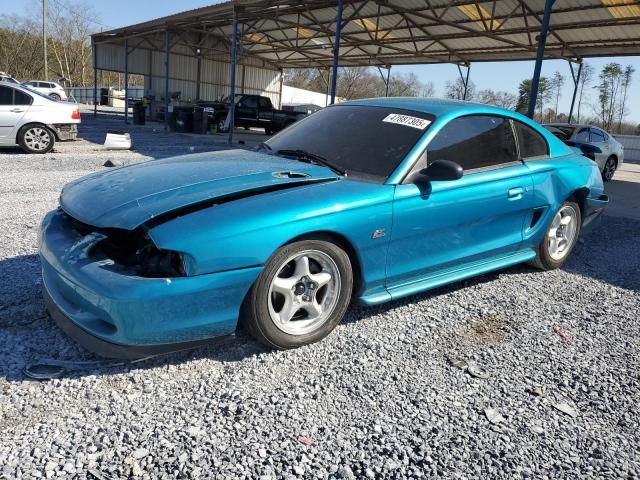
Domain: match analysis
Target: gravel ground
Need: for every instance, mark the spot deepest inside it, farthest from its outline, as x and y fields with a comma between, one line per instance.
x=383, y=397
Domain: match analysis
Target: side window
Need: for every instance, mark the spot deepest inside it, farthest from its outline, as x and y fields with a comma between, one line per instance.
x=22, y=98
x=265, y=103
x=531, y=143
x=596, y=135
x=583, y=136
x=475, y=141
x=249, y=102
x=6, y=96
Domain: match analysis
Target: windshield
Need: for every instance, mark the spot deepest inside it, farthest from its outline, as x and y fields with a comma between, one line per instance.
x=364, y=141
x=34, y=92
x=227, y=99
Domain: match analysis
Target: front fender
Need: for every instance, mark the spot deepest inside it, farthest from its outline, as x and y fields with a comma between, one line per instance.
x=246, y=232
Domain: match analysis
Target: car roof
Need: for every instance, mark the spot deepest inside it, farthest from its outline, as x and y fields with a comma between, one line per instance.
x=438, y=106
x=572, y=125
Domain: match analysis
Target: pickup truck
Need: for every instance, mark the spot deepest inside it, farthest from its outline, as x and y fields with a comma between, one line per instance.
x=251, y=111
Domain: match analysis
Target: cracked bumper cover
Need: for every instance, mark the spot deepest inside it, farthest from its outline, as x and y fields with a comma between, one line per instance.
x=115, y=314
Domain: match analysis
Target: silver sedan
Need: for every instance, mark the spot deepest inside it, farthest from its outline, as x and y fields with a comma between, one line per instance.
x=608, y=152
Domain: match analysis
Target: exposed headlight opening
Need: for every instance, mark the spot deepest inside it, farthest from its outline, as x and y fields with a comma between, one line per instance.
x=134, y=253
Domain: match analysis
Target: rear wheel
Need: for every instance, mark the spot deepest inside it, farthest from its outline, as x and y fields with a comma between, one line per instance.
x=55, y=96
x=36, y=139
x=560, y=238
x=609, y=169
x=301, y=295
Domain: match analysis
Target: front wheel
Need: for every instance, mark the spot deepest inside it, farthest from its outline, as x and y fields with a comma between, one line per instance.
x=609, y=169
x=36, y=139
x=301, y=295
x=560, y=238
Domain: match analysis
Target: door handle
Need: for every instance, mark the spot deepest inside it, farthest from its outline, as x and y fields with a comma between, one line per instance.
x=515, y=193
x=16, y=110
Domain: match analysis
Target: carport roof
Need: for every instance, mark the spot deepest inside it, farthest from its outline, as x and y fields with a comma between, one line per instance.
x=293, y=33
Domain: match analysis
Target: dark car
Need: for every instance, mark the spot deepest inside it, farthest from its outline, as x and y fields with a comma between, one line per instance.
x=252, y=111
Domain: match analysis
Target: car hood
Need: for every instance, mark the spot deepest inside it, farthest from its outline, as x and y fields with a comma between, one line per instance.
x=130, y=196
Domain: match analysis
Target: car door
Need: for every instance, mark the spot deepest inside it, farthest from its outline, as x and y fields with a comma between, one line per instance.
x=11, y=113
x=265, y=111
x=448, y=225
x=247, y=112
x=599, y=139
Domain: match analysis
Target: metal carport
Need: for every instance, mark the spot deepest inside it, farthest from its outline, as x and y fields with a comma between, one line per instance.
x=277, y=34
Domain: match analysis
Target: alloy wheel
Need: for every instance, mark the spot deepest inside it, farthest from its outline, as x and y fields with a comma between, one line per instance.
x=562, y=233
x=609, y=169
x=37, y=139
x=304, y=292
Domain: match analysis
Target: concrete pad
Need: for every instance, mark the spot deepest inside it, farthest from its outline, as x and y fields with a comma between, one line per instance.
x=624, y=192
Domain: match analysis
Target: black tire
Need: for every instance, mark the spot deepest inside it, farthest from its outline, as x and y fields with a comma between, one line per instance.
x=55, y=96
x=256, y=317
x=544, y=258
x=36, y=139
x=219, y=122
x=609, y=169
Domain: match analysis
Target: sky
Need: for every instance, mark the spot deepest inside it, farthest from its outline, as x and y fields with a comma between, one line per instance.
x=497, y=76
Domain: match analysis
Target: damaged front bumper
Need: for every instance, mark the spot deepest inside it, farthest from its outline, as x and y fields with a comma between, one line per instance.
x=66, y=131
x=116, y=314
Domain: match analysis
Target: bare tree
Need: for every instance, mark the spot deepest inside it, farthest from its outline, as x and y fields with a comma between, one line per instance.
x=455, y=90
x=428, y=90
x=586, y=79
x=360, y=82
x=499, y=99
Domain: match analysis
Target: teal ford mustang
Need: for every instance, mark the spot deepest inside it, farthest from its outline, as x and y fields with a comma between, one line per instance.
x=371, y=200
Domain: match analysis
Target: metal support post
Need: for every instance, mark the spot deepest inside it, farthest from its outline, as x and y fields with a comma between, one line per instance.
x=234, y=61
x=542, y=42
x=576, y=82
x=336, y=53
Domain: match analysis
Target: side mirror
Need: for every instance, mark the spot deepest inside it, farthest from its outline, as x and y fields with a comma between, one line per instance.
x=440, y=170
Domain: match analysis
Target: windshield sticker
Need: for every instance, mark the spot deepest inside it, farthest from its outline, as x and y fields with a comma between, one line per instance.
x=408, y=121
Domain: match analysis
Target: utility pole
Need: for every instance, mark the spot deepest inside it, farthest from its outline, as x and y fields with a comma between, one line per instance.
x=44, y=37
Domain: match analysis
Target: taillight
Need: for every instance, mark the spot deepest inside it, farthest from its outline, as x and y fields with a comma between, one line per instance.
x=75, y=115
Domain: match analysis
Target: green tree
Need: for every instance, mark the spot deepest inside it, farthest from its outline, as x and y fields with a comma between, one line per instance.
x=608, y=89
x=586, y=79
x=556, y=84
x=626, y=82
x=524, y=91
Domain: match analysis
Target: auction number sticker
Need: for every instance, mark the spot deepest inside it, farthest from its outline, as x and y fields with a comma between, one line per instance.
x=407, y=120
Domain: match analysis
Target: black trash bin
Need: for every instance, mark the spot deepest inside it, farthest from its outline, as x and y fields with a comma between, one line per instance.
x=200, y=120
x=139, y=113
x=104, y=96
x=184, y=120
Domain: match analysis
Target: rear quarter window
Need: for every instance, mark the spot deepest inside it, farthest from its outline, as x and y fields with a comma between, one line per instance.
x=530, y=142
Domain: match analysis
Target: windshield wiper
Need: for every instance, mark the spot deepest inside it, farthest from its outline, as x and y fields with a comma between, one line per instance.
x=309, y=157
x=264, y=145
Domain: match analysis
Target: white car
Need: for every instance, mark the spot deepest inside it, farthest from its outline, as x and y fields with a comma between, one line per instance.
x=51, y=89
x=34, y=121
